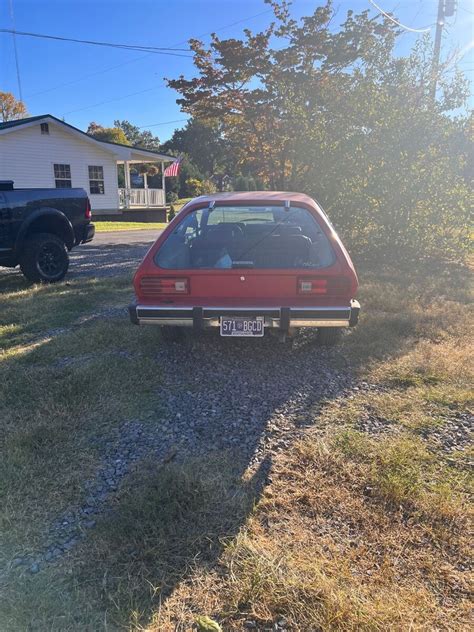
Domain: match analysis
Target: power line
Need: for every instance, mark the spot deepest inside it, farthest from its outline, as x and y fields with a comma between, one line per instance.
x=403, y=26
x=124, y=96
x=164, y=123
x=462, y=53
x=93, y=74
x=137, y=59
x=228, y=26
x=131, y=61
x=149, y=49
x=12, y=17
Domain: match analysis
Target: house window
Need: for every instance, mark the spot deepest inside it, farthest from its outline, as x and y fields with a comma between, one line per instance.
x=96, y=180
x=44, y=128
x=62, y=176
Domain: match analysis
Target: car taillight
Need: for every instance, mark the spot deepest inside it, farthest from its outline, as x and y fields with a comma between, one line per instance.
x=312, y=286
x=329, y=286
x=153, y=286
x=88, y=213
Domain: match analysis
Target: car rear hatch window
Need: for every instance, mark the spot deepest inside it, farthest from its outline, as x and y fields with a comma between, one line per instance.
x=252, y=237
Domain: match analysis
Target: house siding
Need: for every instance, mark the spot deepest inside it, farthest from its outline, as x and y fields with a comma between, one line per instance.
x=27, y=157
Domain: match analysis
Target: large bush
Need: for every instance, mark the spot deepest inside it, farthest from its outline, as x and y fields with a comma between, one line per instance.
x=333, y=112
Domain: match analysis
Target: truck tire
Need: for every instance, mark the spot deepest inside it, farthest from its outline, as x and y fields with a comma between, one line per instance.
x=44, y=259
x=328, y=336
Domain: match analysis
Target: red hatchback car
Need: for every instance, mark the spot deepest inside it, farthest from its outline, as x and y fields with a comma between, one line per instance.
x=246, y=263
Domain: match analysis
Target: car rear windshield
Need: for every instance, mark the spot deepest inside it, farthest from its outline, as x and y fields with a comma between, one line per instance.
x=246, y=237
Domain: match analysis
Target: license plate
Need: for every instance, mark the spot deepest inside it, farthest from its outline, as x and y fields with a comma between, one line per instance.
x=236, y=326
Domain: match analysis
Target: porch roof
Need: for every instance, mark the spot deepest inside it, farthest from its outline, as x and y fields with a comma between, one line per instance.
x=143, y=155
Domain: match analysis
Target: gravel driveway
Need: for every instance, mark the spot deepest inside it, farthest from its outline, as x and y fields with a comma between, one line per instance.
x=250, y=397
x=109, y=254
x=239, y=396
x=242, y=396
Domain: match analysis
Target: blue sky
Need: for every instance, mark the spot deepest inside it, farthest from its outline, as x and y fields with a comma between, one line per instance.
x=87, y=83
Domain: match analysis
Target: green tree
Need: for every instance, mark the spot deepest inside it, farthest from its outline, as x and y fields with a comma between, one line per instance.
x=178, y=185
x=202, y=143
x=109, y=134
x=11, y=108
x=241, y=183
x=136, y=137
x=334, y=113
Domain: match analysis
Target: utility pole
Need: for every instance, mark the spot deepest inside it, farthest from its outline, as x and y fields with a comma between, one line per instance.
x=12, y=17
x=446, y=9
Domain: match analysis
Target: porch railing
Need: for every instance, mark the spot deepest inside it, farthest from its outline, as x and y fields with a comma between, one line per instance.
x=143, y=198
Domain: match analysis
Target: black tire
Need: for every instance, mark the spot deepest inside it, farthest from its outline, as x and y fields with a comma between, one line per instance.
x=44, y=259
x=171, y=334
x=328, y=336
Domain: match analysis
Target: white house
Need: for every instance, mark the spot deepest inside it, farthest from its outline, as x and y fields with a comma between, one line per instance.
x=44, y=152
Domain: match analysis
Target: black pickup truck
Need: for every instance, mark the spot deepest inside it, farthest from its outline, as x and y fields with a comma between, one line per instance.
x=39, y=226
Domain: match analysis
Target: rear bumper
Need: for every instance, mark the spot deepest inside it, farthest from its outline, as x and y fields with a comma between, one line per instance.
x=275, y=317
x=89, y=232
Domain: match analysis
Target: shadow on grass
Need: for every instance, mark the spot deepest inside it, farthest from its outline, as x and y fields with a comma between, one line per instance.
x=27, y=311
x=168, y=520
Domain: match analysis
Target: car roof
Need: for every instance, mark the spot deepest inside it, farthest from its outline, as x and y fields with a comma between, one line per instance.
x=256, y=196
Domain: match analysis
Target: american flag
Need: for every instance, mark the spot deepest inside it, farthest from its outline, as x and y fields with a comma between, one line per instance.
x=173, y=169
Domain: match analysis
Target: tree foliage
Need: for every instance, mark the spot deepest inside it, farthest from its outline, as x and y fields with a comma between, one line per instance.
x=333, y=112
x=136, y=137
x=178, y=187
x=196, y=187
x=109, y=134
x=11, y=109
x=203, y=145
x=125, y=133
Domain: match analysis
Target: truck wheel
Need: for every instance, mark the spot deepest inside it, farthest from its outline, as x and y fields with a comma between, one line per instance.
x=328, y=336
x=44, y=259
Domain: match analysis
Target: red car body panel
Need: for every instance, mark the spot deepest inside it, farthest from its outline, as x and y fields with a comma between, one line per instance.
x=250, y=287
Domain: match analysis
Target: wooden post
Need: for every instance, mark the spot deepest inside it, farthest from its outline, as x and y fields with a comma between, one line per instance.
x=145, y=186
x=128, y=185
x=163, y=182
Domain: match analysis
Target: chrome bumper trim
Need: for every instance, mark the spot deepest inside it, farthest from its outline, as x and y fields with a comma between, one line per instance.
x=209, y=316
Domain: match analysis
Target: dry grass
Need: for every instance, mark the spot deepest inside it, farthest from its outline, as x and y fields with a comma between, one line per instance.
x=57, y=395
x=360, y=532
x=354, y=531
x=351, y=534
x=31, y=311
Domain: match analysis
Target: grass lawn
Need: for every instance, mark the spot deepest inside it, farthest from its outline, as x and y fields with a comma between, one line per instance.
x=354, y=531
x=103, y=227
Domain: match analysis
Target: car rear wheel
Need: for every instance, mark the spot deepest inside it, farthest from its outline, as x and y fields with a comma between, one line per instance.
x=45, y=258
x=328, y=336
